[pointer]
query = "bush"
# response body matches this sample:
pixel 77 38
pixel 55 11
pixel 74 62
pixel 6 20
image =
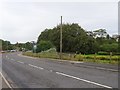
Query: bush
pixel 51 50
pixel 109 47
pixel 103 53
pixel 116 53
pixel 98 57
pixel 43 46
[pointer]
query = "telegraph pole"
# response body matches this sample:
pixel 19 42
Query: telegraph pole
pixel 61 39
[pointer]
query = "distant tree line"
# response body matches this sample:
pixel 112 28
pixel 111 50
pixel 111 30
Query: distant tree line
pixel 24 46
pixel 6 45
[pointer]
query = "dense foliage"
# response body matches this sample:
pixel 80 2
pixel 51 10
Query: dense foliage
pixel 75 39
pixel 6 45
pixel 43 45
pixel 24 46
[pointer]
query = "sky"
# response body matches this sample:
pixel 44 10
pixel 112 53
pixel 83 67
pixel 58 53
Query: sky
pixel 24 21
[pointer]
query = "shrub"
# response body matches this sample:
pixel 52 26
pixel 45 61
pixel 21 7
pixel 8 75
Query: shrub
pixel 43 46
pixel 103 53
pixel 98 57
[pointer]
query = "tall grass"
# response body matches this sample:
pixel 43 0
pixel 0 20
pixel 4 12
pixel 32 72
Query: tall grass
pixel 79 57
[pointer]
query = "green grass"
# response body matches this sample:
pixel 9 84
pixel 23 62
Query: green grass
pixel 42 55
pixel 85 58
pixel 98 57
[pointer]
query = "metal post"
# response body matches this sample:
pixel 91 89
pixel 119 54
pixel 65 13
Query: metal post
pixel 61 39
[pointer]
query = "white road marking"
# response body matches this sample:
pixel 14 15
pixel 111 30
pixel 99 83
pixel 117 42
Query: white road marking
pixel 26 56
pixel 51 70
pixel 84 80
pixel 106 69
pixel 75 62
pixel 101 68
pixel 12 59
pixel 113 70
pixel 35 66
pixel 6 81
pixel 20 62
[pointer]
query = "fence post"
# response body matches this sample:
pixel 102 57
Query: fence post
pixel 74 56
pixel 95 57
pixel 69 56
pixel 110 57
pixel 80 58
pixel 84 59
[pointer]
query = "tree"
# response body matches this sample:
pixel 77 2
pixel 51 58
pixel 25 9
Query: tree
pixel 109 47
pixel 0 44
pixel 90 33
pixel 75 39
pixel 6 45
pixel 28 46
pixel 43 46
pixel 108 36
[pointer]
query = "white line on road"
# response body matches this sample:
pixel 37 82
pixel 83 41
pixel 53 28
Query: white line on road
pixel 12 59
pixel 100 68
pixel 51 70
pixel 74 61
pixel 20 62
pixel 35 66
pixel 6 81
pixel 26 56
pixel 106 69
pixel 84 80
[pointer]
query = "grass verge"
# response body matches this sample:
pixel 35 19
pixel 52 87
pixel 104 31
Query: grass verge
pixel 107 59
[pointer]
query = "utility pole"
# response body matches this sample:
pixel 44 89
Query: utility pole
pixel 7 46
pixel 61 39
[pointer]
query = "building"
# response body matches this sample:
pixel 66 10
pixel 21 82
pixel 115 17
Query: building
pixel 116 36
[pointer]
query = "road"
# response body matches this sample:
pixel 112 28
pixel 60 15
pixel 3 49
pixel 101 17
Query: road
pixel 27 72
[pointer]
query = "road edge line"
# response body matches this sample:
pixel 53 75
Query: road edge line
pixel 6 81
pixel 84 80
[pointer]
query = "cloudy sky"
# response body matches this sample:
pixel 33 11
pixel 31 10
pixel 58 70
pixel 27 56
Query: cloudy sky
pixel 24 21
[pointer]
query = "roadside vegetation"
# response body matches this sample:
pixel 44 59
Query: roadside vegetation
pixel 51 53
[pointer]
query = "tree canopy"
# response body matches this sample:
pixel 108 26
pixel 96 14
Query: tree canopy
pixel 75 39
pixel 5 45
pixel 43 46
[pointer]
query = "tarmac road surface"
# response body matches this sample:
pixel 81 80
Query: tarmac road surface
pixel 27 72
